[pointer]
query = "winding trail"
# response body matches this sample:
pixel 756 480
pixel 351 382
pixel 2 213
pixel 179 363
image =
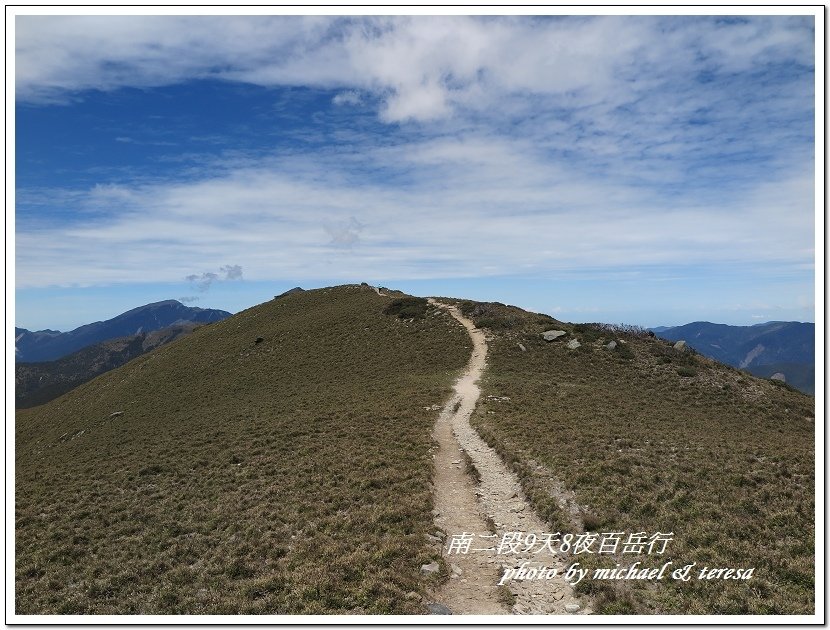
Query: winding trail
pixel 463 506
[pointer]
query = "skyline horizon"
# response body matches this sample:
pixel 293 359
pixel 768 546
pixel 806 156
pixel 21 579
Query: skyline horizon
pixel 238 304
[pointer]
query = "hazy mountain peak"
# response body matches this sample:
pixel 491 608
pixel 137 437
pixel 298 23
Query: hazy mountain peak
pixel 48 345
pixel 762 349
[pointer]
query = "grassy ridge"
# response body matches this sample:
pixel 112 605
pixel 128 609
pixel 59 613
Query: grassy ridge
pixel 653 439
pixel 38 383
pixel 286 476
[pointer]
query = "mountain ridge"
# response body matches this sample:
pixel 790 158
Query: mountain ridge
pixel 50 345
pixel 754 348
pixel 37 383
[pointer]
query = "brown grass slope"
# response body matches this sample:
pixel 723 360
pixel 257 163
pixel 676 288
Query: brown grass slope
pixel 286 476
pixel 38 383
pixel 652 439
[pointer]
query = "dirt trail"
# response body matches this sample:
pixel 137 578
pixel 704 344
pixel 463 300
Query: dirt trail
pixel 462 506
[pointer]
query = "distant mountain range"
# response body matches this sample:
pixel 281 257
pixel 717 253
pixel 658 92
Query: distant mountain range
pixel 38 383
pixel 49 345
pixel 786 348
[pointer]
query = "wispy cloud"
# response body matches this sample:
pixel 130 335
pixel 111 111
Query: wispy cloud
pixel 345 234
pixel 500 146
pixel 231 272
pixel 349 97
pixel 424 68
pixel 485 207
pixel 203 281
pixel 157 143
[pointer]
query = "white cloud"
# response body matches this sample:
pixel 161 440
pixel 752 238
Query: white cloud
pixel 203 281
pixel 59 55
pixel 423 68
pixel 424 102
pixel 484 206
pixel 232 272
pixel 345 234
pixel 541 145
pixel 349 97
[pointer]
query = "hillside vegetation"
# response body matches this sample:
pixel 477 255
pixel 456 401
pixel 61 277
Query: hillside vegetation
pixel 274 462
pixel 280 462
pixel 648 438
pixel 38 383
pixel 763 349
pixel 802 376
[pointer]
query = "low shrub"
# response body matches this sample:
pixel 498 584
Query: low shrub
pixel 466 307
pixel 495 323
pixel 624 352
pixel 407 308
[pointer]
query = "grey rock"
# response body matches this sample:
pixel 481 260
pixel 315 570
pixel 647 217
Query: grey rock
pixel 573 344
pixel 455 568
pixel 433 539
pixel 522 348
pixel 611 345
pixel 413 596
pixel 551 335
pixel 430 569
pixel 779 376
pixel 680 345
pixel 438 609
pixel 571 608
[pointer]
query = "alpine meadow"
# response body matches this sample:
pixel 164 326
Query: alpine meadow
pixel 280 462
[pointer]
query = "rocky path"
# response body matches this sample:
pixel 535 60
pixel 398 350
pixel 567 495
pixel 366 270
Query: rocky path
pixel 487 510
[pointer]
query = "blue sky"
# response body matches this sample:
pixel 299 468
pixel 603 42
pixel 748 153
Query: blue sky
pixel 649 170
